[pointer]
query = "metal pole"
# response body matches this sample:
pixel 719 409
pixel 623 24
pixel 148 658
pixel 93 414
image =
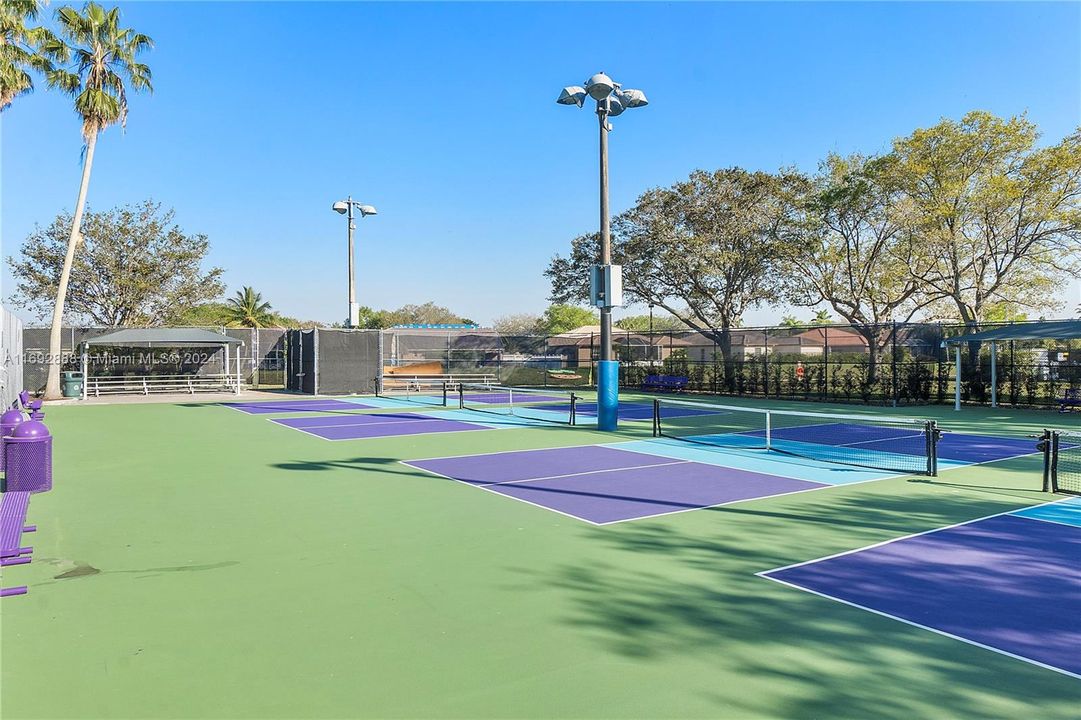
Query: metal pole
pixel 957 380
pixel 994 374
pixel 651 353
pixel 86 365
pixel 606 238
pixel 352 278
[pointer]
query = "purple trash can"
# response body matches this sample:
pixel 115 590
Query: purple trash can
pixel 28 458
pixel 8 422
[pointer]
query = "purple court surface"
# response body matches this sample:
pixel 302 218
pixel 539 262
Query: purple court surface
pixel 605 485
pixel 357 427
pixel 288 406
pixel 1008 583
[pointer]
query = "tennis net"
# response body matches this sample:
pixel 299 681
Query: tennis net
pixel 905 445
pixel 554 406
pixel 417 390
pixel 1066 461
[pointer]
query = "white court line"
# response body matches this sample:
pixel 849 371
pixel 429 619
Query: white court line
pixel 422 431
pixel 943 633
pixel 766 574
pixel 1046 520
pixel 281 421
pixel 486 486
pixel 582 473
pixel 763 573
pixel 502 495
pixel 508 452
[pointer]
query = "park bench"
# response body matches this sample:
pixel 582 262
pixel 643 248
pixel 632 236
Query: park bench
pixel 13 507
pixel 1071 399
pixel 665 383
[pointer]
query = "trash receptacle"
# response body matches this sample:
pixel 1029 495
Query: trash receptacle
pixel 10 420
pixel 28 458
pixel 72 384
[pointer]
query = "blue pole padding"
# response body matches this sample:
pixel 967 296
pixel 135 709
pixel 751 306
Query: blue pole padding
pixel 607 394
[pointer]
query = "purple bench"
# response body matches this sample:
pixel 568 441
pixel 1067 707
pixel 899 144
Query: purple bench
pixel 665 383
pixel 13 507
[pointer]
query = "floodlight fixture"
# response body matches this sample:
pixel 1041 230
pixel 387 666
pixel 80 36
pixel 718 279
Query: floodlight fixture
pixel 612 100
pixel 346 207
pixel 572 95
pixel 632 98
pixel 600 86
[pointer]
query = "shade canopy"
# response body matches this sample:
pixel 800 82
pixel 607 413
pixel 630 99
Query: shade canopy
pixel 1042 330
pixel 169 337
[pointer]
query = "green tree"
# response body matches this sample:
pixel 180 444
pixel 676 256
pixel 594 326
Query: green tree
pixel 518 324
pixel 134 266
pixel 855 252
pixel 207 314
pixel 997 218
pixel 705 250
pixel 24 50
pixel 560 318
pixel 822 317
pixel 248 309
pixel 372 319
pixel 662 322
pixel 105 67
pixel 1003 312
pixel 425 314
pixel 790 321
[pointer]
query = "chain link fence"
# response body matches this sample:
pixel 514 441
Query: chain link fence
pixel 894 364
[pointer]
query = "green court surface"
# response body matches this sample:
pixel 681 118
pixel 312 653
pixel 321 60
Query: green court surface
pixel 196 562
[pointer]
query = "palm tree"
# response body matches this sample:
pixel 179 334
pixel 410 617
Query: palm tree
pixel 23 49
pixel 247 309
pixel 104 67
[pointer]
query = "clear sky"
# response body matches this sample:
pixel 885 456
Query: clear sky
pixel 443 116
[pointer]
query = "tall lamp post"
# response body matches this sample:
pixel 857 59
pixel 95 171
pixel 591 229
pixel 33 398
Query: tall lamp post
pixel 606 286
pixel 345 207
pixel 651 334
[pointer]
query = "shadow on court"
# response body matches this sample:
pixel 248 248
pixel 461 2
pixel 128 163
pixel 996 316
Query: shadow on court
pixel 685 586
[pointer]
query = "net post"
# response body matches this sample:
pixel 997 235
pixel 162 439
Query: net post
pixel 1054 461
pixel 574 410
pixel 769 431
pixel 1045 446
pixel 461 396
pixel 931 432
pixel 656 417
pixel 444 393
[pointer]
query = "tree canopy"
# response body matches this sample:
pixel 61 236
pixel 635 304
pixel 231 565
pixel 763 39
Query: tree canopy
pixel 560 318
pixel 994 218
pixel 135 266
pixel 425 314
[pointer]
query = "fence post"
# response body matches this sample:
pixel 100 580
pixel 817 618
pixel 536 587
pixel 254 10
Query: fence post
pixel 893 364
pixel 826 363
pixel 1013 375
pixel 765 359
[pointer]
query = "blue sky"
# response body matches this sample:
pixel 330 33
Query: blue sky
pixel 442 116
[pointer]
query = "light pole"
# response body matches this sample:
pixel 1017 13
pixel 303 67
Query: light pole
pixel 606 283
pixel 345 207
pixel 651 334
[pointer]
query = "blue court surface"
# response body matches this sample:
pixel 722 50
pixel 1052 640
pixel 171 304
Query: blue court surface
pixel 638 479
pixel 1010 583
